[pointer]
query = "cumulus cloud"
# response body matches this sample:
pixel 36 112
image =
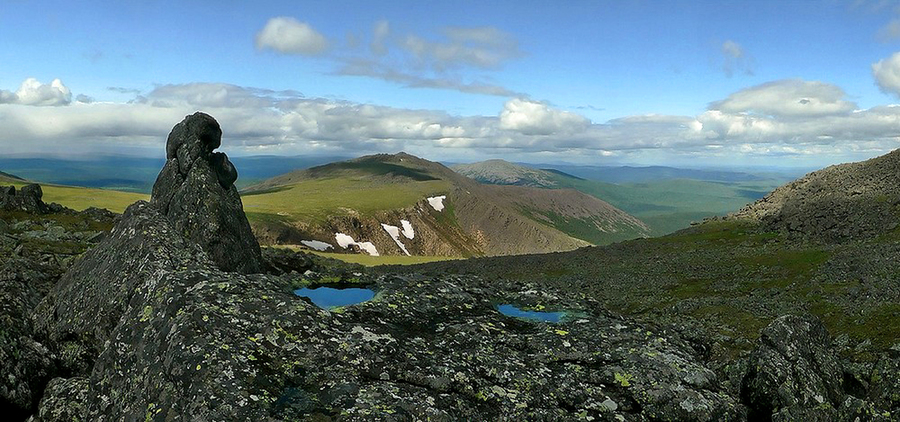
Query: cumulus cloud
pixel 260 121
pixel 33 92
pixel 787 98
pixel 735 59
pixel 535 118
pixel 887 74
pixel 289 36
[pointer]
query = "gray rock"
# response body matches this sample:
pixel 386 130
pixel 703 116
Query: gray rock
pixel 195 189
pixel 793 370
pixel 27 199
pixel 64 400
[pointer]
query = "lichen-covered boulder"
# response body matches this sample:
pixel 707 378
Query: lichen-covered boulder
pixel 87 303
pixel 27 199
pixel 64 400
pixel 25 365
pixel 195 189
pixel 793 370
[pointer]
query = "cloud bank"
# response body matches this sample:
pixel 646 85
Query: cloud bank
pixel 790 117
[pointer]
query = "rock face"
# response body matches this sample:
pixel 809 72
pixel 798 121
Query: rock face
pixel 793 369
pixel 35 250
pixel 27 199
pixel 196 191
pixel 837 203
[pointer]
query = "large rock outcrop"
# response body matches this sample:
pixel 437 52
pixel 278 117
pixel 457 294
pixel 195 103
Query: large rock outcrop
pixel 27 199
pixel 196 191
pixel 793 369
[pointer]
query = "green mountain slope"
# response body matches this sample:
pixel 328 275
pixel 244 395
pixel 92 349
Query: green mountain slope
pixel 358 197
pixel 665 205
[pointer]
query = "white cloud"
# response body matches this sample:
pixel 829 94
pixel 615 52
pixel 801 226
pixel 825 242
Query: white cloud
pixel 258 121
pixel 456 59
pixel 33 92
pixel 887 74
pixel 534 118
pixel 735 59
pixel 787 98
pixel 290 36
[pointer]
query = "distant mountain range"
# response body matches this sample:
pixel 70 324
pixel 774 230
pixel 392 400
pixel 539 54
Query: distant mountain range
pixel 372 198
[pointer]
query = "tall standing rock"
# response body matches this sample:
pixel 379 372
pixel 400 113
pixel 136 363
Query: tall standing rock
pixel 196 191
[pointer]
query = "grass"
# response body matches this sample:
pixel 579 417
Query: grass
pixel 371 261
pixel 316 200
pixel 79 198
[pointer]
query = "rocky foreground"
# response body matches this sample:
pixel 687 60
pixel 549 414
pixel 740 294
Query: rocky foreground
pixel 175 314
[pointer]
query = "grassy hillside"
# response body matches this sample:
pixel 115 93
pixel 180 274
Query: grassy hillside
pixel 314 200
pixel 79 198
pixel 358 196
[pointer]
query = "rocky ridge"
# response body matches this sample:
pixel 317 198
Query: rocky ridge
pixel 841 202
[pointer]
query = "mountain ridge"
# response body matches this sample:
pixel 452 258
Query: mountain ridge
pixel 479 219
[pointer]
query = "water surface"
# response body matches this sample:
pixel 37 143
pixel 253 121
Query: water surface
pixel 514 311
pixel 329 297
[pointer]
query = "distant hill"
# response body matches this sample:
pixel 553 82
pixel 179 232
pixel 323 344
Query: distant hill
pixel 137 174
pixel 634 174
pixel 369 198
pixel 663 202
pixel 500 172
pixel 6 177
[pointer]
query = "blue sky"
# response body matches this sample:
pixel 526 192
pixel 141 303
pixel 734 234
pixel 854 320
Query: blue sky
pixel 692 83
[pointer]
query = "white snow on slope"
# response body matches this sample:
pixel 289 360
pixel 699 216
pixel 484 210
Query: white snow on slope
pixel 437 202
pixel 394 231
pixel 315 244
pixel 346 241
pixel 407 229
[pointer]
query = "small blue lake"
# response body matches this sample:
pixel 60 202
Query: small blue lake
pixel 329 297
pixel 514 311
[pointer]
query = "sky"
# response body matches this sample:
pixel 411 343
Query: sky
pixel 686 83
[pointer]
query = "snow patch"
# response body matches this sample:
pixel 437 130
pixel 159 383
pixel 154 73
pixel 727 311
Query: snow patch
pixel 437 202
pixel 315 244
pixel 408 231
pixel 346 241
pixel 368 247
pixel 343 240
pixel 394 231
